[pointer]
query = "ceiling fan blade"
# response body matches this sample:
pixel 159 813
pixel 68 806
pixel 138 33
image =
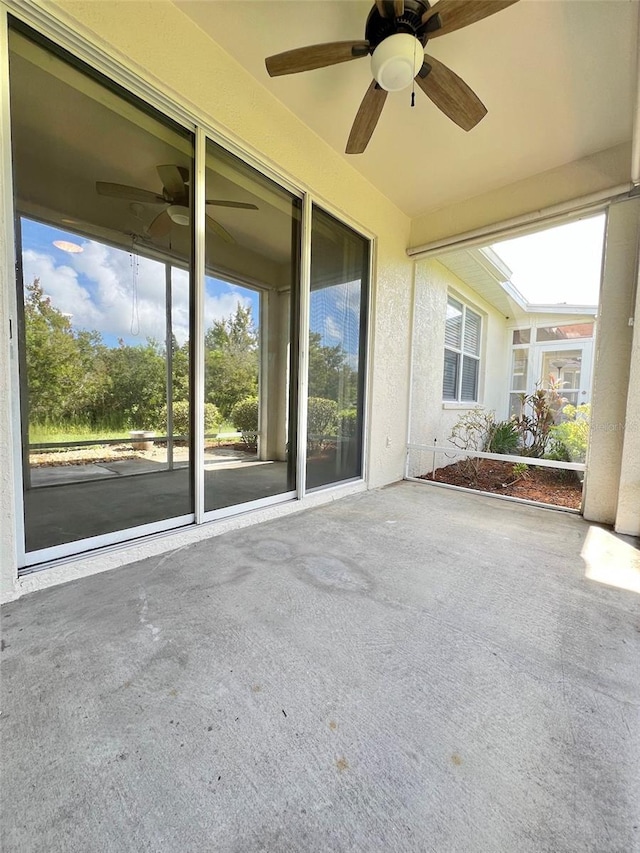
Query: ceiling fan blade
pixel 398 8
pixel 455 14
pixel 366 118
pixel 315 56
pixel 173 180
pixel 160 226
pixel 450 94
pixel 382 9
pixel 215 226
pixel 128 193
pixel 240 205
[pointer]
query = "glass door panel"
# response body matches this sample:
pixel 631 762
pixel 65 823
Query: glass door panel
pixel 337 340
pixel 251 311
pixel 103 281
pixel 567 370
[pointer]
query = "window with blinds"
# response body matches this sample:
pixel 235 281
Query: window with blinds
pixel 462 338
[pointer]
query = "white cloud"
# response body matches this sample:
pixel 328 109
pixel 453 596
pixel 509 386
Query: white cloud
pixel 332 331
pixel 98 289
pixel 218 307
pixel 60 284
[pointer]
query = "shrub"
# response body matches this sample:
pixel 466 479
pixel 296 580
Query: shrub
pixel 322 420
pixel 520 471
pixel 570 437
pixel 472 431
pixel 538 414
pixel 348 422
pixel 244 416
pixel 504 438
pixel 212 419
pixel 181 418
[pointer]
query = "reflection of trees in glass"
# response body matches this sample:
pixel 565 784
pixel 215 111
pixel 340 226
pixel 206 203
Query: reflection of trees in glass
pixel 74 379
pixel 65 369
pixel 231 360
pixel 330 375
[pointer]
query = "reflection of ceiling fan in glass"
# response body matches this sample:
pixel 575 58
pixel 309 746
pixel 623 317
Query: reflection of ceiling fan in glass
pixel 175 195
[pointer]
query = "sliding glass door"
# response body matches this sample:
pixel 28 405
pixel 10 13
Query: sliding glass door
pixel 337 343
pixel 102 189
pixel 251 312
pixel 108 309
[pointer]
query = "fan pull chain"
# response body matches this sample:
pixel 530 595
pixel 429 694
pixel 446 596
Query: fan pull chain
pixel 413 83
pixel 135 312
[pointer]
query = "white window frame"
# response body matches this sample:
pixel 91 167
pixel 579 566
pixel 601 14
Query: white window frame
pixel 457 400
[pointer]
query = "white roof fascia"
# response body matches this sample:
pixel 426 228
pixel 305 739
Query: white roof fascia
pixel 560 308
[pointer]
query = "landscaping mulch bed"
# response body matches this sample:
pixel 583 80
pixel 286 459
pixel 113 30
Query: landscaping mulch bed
pixel 545 485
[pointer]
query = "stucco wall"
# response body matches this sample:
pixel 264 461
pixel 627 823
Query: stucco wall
pixel 609 401
pixel 431 420
pixel 628 510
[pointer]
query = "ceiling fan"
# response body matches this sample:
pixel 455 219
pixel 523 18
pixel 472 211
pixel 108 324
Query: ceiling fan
pixel 395 34
pixel 175 195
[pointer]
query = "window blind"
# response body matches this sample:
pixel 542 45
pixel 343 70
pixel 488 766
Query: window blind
pixel 469 385
pixel 453 325
pixel 472 326
pixel 450 378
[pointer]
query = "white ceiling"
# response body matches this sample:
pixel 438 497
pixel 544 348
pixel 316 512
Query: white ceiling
pixel 557 77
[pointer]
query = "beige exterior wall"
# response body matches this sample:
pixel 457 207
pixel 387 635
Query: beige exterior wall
pixel 628 510
pixel 612 393
pixel 431 418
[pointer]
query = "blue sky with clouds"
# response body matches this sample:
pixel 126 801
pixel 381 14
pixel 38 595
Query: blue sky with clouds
pixel 97 288
pixel 122 295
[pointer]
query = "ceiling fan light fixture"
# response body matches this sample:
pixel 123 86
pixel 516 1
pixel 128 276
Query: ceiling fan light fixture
pixel 179 214
pixel 396 61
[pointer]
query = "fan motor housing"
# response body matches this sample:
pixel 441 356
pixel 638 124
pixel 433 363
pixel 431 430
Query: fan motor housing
pixel 377 28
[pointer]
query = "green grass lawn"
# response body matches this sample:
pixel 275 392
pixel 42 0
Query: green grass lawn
pixel 51 433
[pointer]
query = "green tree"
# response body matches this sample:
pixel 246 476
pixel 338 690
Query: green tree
pixel 137 390
pixel 330 375
pixel 61 364
pixel 180 356
pixel 231 360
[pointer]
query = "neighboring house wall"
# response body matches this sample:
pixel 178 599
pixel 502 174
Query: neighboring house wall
pixel 432 418
pixel 534 321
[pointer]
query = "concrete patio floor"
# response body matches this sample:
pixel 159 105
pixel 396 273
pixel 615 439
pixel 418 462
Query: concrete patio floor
pixel 409 669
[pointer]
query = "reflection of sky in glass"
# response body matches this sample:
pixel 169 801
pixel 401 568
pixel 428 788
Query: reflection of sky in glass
pixel 117 293
pixel 335 315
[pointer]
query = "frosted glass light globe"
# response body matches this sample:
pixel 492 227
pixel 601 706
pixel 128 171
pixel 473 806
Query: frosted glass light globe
pixel 179 214
pixel 396 61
